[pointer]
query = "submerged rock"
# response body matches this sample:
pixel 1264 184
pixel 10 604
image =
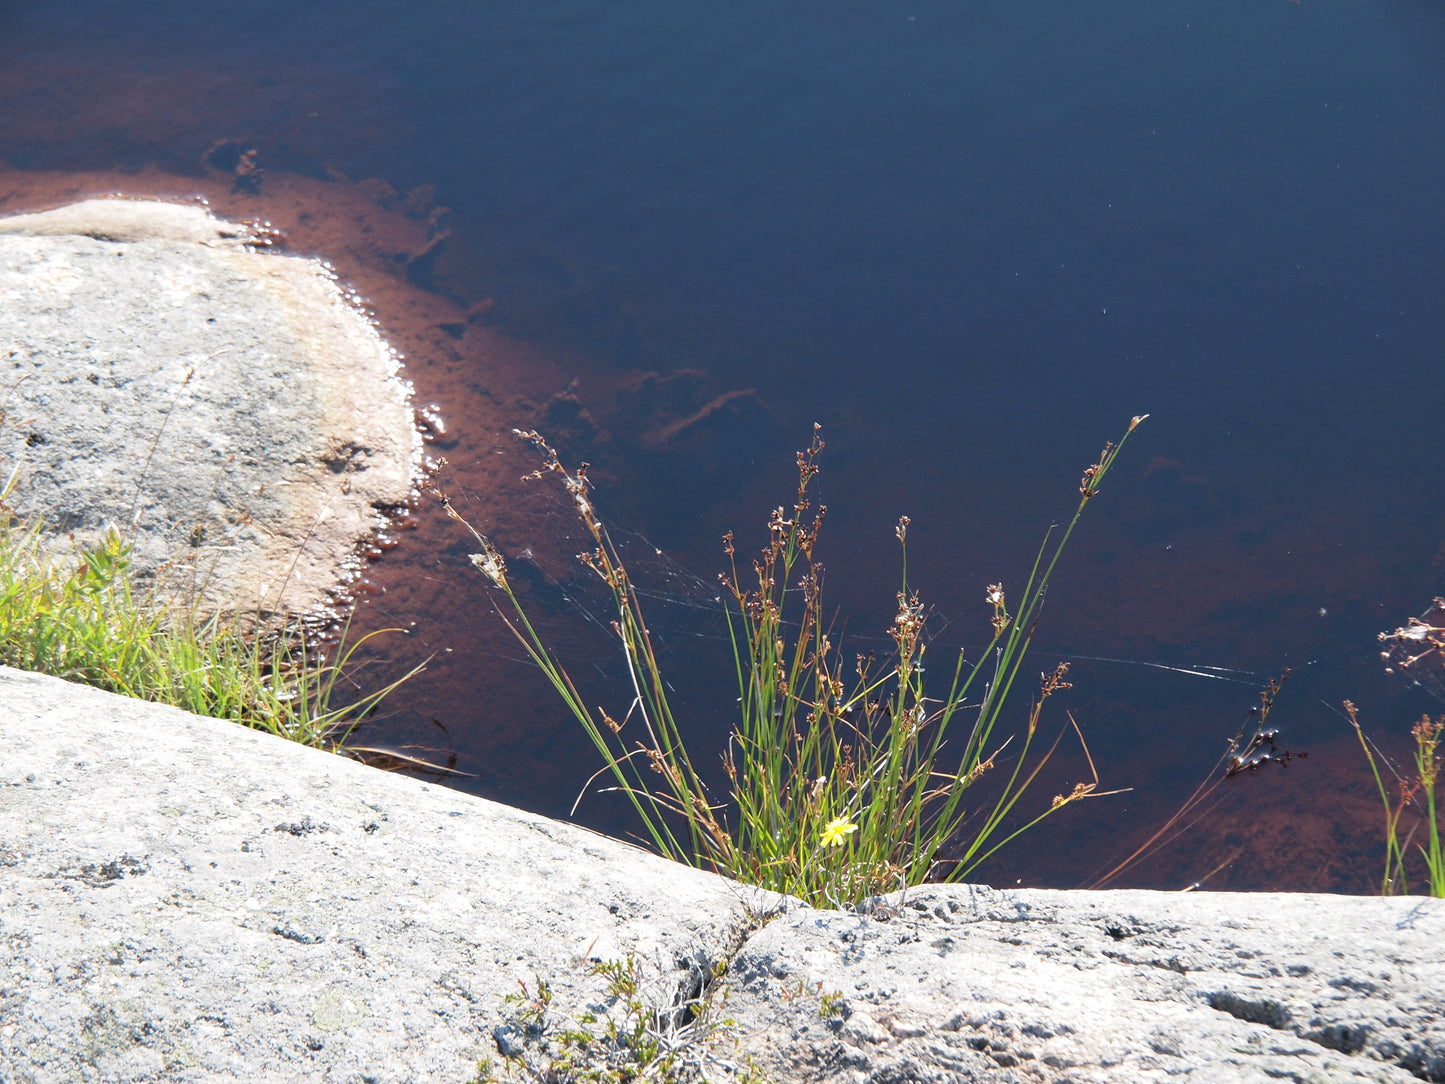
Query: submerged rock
pixel 230 411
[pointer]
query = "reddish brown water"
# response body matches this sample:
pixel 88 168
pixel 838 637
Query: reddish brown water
pixel 971 252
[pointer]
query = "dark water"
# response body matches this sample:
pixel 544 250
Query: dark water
pixel 972 241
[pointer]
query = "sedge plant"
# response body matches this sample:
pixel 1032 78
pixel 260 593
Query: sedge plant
pixel 847 777
pixel 1418 794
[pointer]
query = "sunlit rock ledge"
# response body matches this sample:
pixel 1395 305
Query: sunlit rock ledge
pixel 232 411
pixel 184 899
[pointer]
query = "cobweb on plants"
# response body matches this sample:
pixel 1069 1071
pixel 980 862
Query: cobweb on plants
pixel 542 544
pixel 682 607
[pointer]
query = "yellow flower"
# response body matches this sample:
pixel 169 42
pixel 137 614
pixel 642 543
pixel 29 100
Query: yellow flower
pixel 837 830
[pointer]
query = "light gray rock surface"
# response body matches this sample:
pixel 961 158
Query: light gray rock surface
pixel 185 900
pixel 230 410
pixel 969 983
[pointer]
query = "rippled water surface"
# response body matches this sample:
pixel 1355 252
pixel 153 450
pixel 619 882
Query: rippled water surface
pixel 969 239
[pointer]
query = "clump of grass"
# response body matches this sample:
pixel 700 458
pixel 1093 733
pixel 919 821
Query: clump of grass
pixel 843 784
pixel 84 620
pixel 1427 734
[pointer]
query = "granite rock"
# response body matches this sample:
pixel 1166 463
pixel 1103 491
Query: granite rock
pixel 232 411
pixel 182 899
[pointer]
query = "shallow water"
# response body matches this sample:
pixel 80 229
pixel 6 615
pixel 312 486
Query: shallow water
pixel 970 241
